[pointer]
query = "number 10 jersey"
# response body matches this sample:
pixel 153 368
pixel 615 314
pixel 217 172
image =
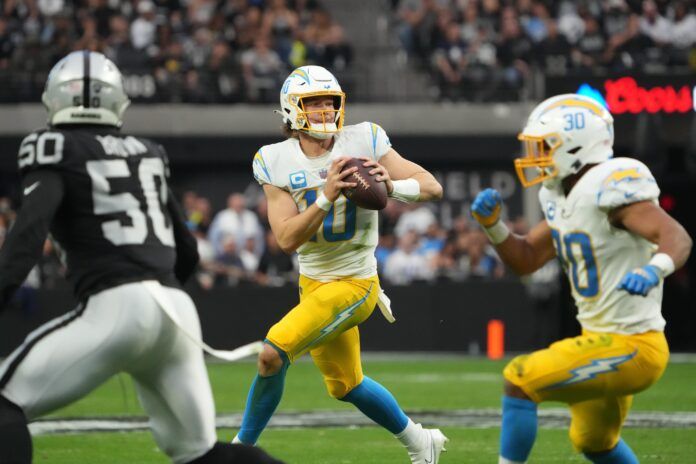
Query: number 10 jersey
pixel 113 225
pixel 344 245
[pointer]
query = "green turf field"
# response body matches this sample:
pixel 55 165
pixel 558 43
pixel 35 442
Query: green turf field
pixel 441 384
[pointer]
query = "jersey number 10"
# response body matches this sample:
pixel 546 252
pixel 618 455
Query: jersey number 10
pixel 341 207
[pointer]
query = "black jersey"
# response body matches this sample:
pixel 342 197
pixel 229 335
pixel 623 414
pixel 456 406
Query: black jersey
pixel 105 198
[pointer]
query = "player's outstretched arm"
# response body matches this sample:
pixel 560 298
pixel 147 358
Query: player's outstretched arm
pixel 523 254
pixel 43 193
pixel 406 180
pixel 651 222
pixel 292 228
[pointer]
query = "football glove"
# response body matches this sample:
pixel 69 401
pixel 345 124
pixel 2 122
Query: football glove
pixel 641 280
pixel 486 207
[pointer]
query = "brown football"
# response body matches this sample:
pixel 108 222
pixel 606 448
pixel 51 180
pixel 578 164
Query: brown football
pixel 369 193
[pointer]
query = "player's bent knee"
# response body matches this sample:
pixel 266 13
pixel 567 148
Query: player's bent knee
pixel 598 441
pixel 338 389
pixel 270 362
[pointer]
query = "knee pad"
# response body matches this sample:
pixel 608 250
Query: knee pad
pixel 227 453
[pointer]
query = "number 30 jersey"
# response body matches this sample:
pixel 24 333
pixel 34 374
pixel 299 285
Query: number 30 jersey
pixel 596 255
pixel 112 222
pixel 344 246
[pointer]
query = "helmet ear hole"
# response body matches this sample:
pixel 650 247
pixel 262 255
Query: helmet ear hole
pixel 573 151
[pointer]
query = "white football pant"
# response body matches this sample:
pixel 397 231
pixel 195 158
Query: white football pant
pixel 121 329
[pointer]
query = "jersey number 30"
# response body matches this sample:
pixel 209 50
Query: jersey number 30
pixel 567 254
pixel 106 202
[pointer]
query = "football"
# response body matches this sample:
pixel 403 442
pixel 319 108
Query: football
pixel 369 193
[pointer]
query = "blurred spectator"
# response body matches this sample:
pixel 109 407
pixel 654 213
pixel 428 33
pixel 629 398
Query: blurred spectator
pixel 263 70
pixel 552 52
pixel 480 261
pixel 385 247
pixel 237 223
pixel 250 261
pixel 406 264
pixel 450 62
pixel 229 268
pixel 280 23
pixel 514 50
pixel 415 218
pixel 275 268
pixel 143 28
pixel 326 45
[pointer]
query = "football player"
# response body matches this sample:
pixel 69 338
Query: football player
pixel 103 196
pixel 302 179
pixel 616 245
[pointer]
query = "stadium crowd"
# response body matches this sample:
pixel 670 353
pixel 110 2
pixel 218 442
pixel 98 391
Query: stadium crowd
pixel 195 51
pixel 486 50
pixel 237 247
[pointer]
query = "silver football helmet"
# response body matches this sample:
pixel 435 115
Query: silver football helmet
pixel 85 87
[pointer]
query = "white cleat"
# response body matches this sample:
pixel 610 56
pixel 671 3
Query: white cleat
pixel 435 445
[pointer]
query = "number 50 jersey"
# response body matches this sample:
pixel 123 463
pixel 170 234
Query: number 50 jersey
pixel 596 255
pixel 344 246
pixel 112 224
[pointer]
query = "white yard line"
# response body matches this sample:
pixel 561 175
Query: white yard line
pixel 473 418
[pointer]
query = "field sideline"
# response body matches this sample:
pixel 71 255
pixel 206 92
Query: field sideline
pixel 461 394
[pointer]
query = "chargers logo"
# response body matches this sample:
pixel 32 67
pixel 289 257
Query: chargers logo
pixel 551 210
pixel 593 369
pixel 298 179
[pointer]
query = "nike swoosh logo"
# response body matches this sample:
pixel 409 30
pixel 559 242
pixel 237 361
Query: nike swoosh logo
pixel 432 452
pixel 31 188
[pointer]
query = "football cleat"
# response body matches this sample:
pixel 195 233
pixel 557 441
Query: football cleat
pixel 434 445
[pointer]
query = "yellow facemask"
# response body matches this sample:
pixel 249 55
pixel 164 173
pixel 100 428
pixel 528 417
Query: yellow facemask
pixel 538 158
pixel 328 117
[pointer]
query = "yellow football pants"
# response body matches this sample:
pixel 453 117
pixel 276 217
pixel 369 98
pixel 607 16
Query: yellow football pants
pixel 597 374
pixel 325 324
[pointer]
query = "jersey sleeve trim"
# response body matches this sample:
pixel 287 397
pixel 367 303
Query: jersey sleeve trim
pixel 261 172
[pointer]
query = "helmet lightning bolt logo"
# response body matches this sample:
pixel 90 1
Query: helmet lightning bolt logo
pixel 593 369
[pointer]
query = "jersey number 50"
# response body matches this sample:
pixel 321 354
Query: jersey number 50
pixel 106 202
pixel 567 255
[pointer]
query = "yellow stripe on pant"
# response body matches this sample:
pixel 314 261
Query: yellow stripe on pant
pixel 597 374
pixel 325 324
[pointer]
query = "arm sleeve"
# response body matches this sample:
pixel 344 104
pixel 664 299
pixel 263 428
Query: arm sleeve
pixel 625 185
pixel 43 194
pixel 186 245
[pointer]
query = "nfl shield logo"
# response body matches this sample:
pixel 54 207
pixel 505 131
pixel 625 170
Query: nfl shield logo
pixel 323 173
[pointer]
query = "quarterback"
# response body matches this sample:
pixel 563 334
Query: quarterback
pixel 302 179
pixel 616 245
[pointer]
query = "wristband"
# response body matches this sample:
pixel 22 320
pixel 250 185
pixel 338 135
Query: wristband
pixel 323 202
pixel 497 233
pixel 406 190
pixel 664 263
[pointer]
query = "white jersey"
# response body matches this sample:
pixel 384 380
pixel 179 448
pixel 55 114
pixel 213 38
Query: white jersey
pixel 596 255
pixel 344 246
